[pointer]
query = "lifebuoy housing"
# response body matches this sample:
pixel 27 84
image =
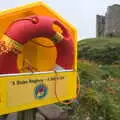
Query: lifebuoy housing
pixel 22 30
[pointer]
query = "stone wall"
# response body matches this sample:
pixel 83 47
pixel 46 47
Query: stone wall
pixel 100 25
pixel 112 26
pixel 109 25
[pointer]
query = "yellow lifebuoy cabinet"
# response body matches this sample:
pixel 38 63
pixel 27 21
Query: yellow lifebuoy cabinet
pixel 30 90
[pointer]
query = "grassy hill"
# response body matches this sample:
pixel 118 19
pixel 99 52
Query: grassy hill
pixel 100 50
pixel 99 97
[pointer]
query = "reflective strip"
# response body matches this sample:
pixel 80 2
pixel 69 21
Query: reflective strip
pixel 57 37
pixel 35 73
pixel 11 44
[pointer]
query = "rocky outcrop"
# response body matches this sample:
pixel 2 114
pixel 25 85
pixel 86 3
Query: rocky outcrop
pixel 53 112
pixel 49 112
pixel 39 116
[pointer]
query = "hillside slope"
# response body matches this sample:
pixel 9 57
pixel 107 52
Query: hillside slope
pixel 100 50
pixel 99 97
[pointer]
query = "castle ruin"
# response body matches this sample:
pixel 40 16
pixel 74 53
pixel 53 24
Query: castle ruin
pixel 109 25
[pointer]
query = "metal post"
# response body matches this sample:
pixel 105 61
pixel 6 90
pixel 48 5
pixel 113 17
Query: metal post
pixel 3 117
pixel 26 115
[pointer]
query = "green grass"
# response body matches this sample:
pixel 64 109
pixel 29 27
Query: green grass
pixel 100 50
pixel 100 93
pixel 100 42
pixel 99 69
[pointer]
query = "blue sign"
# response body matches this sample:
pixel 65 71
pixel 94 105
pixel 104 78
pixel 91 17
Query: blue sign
pixel 40 91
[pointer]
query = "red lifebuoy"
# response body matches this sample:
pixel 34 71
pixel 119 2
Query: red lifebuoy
pixel 20 31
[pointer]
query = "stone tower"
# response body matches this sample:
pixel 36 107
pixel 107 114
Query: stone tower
pixel 100 25
pixel 109 25
pixel 112 26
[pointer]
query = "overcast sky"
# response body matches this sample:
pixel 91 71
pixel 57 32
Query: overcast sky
pixel 81 13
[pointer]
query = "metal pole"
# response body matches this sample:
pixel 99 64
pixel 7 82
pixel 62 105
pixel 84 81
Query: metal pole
pixel 26 115
pixel 3 117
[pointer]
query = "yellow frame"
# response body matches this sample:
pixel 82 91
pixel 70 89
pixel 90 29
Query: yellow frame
pixel 20 97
